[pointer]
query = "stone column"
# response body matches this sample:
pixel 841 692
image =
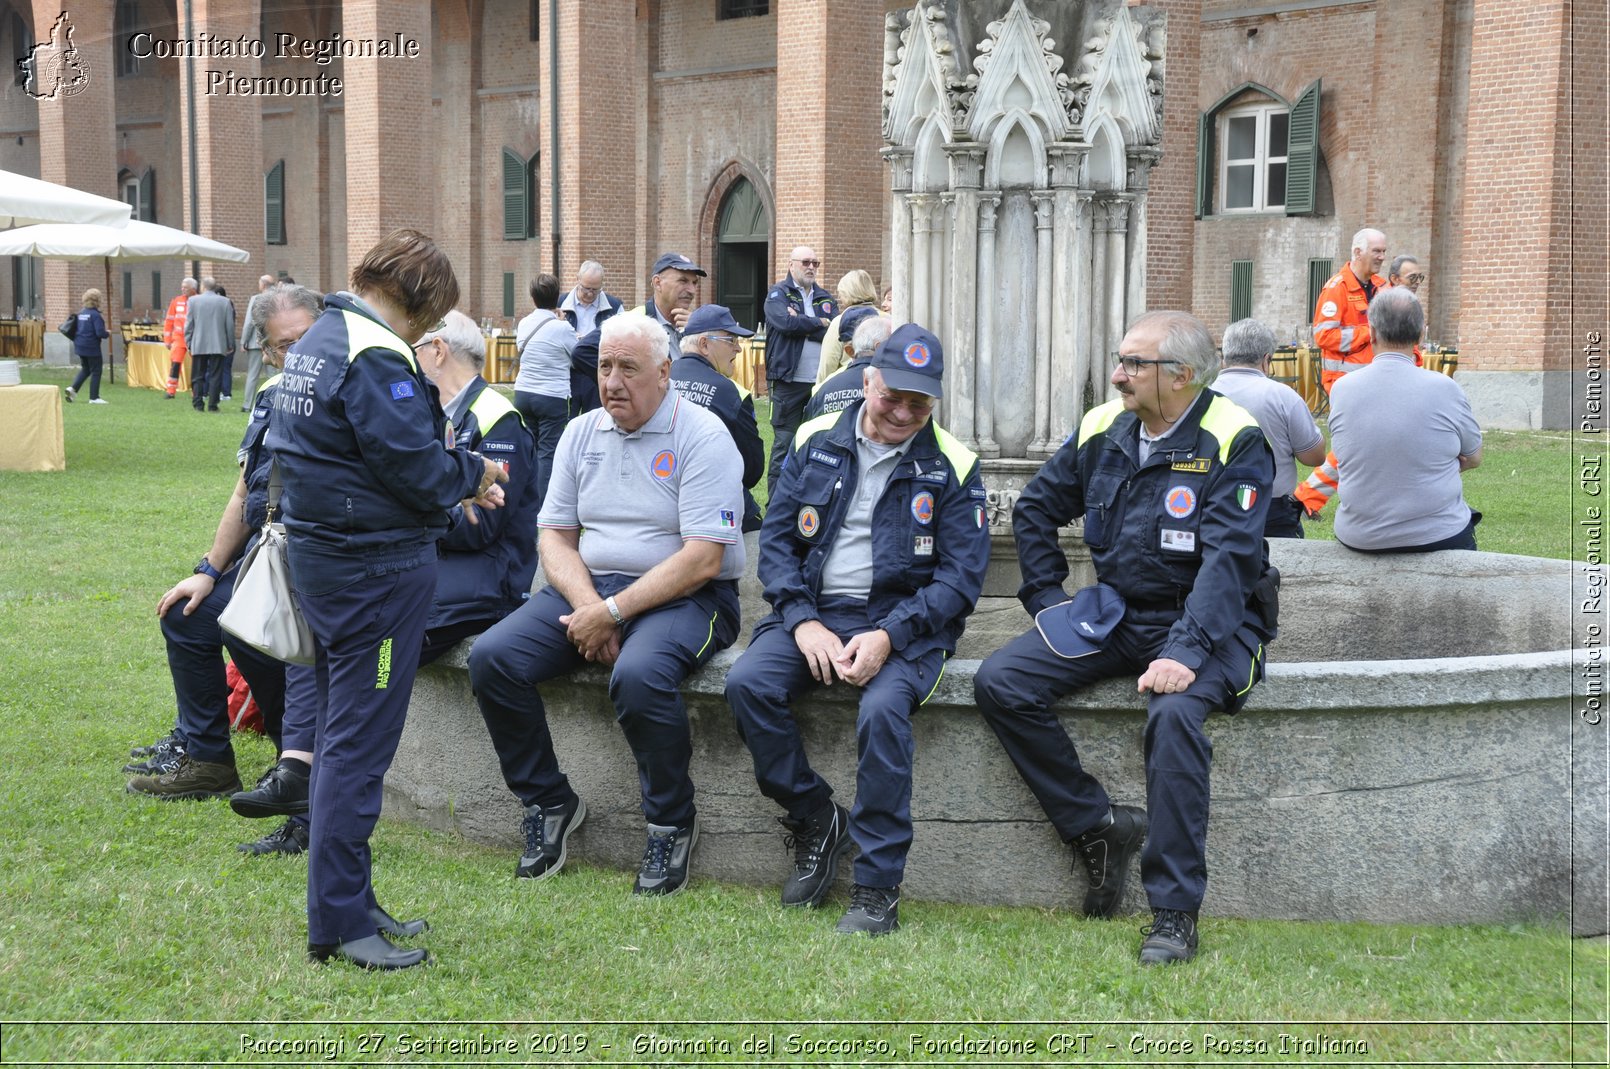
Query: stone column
pixel 900 224
pixel 941 295
pixel 1117 264
pixel 961 343
pixel 1044 278
pixel 1141 162
pixel 1096 292
pixel 390 170
pixel 1070 336
pixel 984 397
pixel 923 206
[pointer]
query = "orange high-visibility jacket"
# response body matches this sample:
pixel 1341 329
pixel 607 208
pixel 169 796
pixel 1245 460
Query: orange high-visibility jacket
pixel 173 327
pixel 1342 326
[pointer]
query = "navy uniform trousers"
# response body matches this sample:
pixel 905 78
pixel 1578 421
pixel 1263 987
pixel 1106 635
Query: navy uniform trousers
pixel 659 650
pixel 1016 686
pixel 366 638
pixel 772 673
pixel 195 660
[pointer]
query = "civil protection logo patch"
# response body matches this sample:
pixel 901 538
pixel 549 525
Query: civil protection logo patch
pixel 1246 495
pixel 917 354
pixel 922 508
pixel 1180 502
pixel 664 465
pixel 809 521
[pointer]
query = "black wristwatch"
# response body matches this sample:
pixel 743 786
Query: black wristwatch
pixel 206 568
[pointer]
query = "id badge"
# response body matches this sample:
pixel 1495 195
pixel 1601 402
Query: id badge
pixel 1179 541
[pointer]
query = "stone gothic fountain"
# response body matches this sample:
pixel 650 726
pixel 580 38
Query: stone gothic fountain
pixel 1019 147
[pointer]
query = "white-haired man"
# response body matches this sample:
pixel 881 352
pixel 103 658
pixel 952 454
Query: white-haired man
pixel 1341 322
pixel 251 341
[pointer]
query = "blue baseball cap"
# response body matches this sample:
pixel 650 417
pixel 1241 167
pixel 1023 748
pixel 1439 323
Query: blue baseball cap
pixel 912 360
pixel 678 261
pixel 1077 628
pixel 852 319
pixel 708 317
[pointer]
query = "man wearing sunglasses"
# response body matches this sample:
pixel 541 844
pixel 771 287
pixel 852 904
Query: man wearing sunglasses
pixel 798 313
pixel 872 555
pixel 1172 481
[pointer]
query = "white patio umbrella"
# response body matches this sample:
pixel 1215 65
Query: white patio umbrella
pixel 25 201
pixel 134 241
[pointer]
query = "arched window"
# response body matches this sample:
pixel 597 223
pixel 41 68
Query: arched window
pixel 1258 153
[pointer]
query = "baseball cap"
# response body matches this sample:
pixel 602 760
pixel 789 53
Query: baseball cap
pixel 678 261
pixel 1077 628
pixel 852 319
pixel 912 360
pixel 708 317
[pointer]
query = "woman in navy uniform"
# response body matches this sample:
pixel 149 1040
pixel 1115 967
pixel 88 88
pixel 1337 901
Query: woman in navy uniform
pixel 358 435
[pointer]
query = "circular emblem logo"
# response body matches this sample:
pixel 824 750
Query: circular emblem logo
pixel 1180 502
pixel 809 521
pixel 1327 309
pixel 917 354
pixel 664 464
pixel 922 508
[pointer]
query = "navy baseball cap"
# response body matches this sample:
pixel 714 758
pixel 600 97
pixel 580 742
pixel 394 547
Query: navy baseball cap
pixel 852 319
pixel 678 261
pixel 708 317
pixel 912 360
pixel 1077 628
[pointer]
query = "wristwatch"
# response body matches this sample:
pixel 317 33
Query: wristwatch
pixel 206 568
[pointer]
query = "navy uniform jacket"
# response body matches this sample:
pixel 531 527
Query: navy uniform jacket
pixel 930 544
pixel 486 568
pixel 694 378
pixel 1182 531
pixel 357 430
pixel 254 458
pixel 841 390
pixel 790 332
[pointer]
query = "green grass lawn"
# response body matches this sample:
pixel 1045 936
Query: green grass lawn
pixel 120 910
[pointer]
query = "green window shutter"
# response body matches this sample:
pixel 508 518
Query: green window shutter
pixel 128 289
pixel 533 200
pixel 148 196
pixel 514 197
pixel 274 205
pixel 508 293
pixel 1302 153
pixel 1204 165
pixel 1319 272
pixel 1240 290
pixel 156 294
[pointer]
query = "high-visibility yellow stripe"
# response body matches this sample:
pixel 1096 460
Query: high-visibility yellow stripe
pixel 937 678
pixel 274 381
pixel 1225 419
pixel 1252 672
pixel 708 638
pixel 490 407
pixel 364 333
pixel 1099 419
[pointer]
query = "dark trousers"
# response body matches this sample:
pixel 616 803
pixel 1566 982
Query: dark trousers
pixel 206 379
pixel 1285 518
pixel 762 686
pixel 89 368
pixel 1015 687
pixel 546 416
pixel 195 660
pixel 787 408
pixel 366 650
pixel 1465 539
pixel 658 651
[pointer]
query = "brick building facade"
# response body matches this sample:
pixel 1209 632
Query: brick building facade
pixel 530 135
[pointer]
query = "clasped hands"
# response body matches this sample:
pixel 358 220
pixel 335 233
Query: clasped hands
pixel 856 661
pixel 593 631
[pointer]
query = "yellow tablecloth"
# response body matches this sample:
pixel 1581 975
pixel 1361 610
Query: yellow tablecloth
pixel 24 338
pixel 749 370
pixel 148 366
pixel 33 439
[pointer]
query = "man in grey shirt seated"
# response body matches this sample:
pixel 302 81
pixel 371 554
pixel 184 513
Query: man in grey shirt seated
pixel 1281 414
pixel 1402 435
pixel 639 540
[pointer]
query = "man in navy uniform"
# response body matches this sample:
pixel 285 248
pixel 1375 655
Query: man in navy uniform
pixel 872 555
pixel 710 344
pixel 798 312
pixel 863 332
pixel 673 289
pixel 1173 481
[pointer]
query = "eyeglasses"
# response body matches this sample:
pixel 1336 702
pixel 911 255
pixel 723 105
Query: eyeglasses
pixel 809 263
pixel 915 407
pixel 730 339
pixel 1133 364
pixel 1415 280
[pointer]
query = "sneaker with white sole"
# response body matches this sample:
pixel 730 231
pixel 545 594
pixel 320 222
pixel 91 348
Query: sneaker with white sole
pixel 664 870
pixel 547 838
pixel 99 401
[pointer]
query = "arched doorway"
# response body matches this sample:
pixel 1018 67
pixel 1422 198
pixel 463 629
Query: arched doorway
pixel 742 240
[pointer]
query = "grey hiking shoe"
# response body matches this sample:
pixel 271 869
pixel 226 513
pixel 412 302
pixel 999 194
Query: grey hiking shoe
pixel 664 870
pixel 191 779
pixel 547 835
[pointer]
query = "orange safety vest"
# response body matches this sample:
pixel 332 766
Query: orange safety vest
pixel 1342 326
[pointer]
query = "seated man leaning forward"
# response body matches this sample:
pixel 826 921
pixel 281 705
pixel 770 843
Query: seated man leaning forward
pixel 872 554
pixel 1172 480
pixel 639 540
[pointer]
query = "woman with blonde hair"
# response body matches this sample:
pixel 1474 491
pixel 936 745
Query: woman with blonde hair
pixel 87 338
pixel 855 289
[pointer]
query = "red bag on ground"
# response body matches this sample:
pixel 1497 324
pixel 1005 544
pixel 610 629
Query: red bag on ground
pixel 244 715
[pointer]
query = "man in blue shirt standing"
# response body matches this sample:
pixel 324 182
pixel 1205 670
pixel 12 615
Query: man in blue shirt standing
pixel 798 312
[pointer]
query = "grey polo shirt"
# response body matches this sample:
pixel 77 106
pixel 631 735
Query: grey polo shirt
pixel 1398 432
pixel 847 572
pixel 1281 414
pixel 637 497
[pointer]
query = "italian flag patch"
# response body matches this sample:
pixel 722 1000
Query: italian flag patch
pixel 1246 496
